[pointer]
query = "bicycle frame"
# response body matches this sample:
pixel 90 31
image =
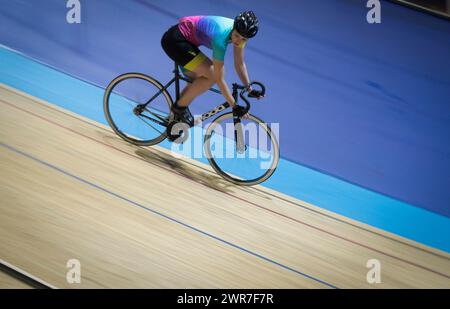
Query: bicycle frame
pixel 238 131
pixel 178 132
pixel 176 79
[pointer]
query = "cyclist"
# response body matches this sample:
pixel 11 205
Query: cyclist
pixel 181 43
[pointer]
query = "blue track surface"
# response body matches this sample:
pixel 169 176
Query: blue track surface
pixel 368 104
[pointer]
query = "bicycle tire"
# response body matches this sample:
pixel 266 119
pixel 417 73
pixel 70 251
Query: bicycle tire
pixel 106 108
pixel 230 177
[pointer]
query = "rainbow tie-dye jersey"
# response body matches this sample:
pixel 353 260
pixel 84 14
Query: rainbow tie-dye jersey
pixel 214 32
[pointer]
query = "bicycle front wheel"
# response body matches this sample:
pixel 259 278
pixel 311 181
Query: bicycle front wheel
pixel 123 105
pixel 244 154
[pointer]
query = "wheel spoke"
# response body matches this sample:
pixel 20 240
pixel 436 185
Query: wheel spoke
pixel 246 155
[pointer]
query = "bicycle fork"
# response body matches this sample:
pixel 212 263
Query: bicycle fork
pixel 238 132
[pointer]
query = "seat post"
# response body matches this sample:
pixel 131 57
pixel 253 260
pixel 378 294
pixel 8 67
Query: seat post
pixel 177 82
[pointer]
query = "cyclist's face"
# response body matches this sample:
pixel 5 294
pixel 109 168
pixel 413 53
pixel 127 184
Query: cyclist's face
pixel 237 39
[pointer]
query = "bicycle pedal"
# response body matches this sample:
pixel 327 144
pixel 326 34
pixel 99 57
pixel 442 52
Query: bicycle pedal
pixel 177 132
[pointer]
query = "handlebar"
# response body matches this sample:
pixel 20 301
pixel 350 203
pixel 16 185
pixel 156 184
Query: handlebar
pixel 245 89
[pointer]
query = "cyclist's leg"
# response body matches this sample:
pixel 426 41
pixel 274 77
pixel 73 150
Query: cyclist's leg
pixel 204 80
pixel 191 59
pixel 188 74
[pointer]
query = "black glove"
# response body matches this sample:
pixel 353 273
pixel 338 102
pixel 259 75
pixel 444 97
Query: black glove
pixel 239 111
pixel 254 93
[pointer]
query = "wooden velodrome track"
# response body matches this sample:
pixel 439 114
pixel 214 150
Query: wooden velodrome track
pixel 10 282
pixel 139 218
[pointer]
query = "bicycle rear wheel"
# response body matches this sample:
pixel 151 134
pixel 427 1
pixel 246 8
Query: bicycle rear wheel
pixel 248 162
pixel 121 104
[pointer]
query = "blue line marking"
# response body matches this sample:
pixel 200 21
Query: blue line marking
pixel 164 216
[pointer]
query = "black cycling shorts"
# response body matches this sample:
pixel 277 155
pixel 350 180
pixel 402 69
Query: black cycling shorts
pixel 181 50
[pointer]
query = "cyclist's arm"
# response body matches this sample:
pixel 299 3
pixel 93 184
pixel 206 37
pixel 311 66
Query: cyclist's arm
pixel 219 77
pixel 239 65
